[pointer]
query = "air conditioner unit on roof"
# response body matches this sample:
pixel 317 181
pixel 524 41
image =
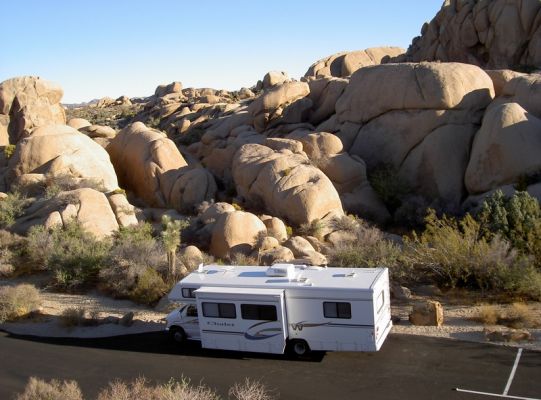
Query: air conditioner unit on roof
pixel 281 270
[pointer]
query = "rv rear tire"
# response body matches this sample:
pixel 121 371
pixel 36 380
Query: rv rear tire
pixel 177 334
pixel 300 347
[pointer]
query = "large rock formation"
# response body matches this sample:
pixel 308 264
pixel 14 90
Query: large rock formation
pixel 235 232
pixel 285 184
pixel 27 103
pixel 59 150
pixel 344 64
pixel 286 102
pixel 149 164
pixel 424 132
pixel 491 34
pixel 505 149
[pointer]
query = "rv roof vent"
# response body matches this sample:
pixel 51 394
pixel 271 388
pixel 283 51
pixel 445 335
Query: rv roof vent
pixel 282 270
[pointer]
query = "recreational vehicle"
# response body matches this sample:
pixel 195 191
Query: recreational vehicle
pixel 285 306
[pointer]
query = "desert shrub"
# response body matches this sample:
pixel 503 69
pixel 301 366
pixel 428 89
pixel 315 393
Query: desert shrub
pixel 193 135
pixel 142 389
pixel 133 252
pixel 517 316
pixel 18 301
pixel 314 228
pixel 516 218
pixel 11 208
pixel 289 231
pixel 73 316
pixel 72 254
pixel 249 390
pixel 346 223
pixel 454 252
pixel 38 389
pixel 64 182
pixel 390 188
pixel 11 253
pixel 367 249
pixel 243 259
pixel 520 316
pixel 149 288
pixel 488 315
pixel 9 150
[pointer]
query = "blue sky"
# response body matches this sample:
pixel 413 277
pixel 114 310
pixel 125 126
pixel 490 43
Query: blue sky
pixel 127 47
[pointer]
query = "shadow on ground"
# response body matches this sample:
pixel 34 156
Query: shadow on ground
pixel 160 343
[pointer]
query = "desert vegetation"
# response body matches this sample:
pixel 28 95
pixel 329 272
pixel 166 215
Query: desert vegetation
pixel 18 301
pixel 141 388
pixel 495 251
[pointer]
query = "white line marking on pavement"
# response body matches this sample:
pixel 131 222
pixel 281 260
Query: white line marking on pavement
pixel 507 387
pixel 506 396
pixel 515 365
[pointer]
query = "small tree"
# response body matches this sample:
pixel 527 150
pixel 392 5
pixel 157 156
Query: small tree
pixel 171 240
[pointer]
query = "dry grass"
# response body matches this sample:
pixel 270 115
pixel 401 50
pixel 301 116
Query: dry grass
pixel 517 316
pixel 488 315
pixel 38 389
pixel 141 388
pixel 250 390
pixel 18 301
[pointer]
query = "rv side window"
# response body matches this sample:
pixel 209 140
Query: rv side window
pixel 188 293
pixel 219 310
pixel 258 312
pixel 380 302
pixel 336 310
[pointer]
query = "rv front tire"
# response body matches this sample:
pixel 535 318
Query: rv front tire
pixel 177 334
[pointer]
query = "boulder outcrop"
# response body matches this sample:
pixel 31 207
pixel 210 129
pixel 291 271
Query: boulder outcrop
pixel 59 150
pixel 26 103
pixel 342 65
pixel 285 184
pixel 149 164
pixel 236 232
pixel 439 105
pixel 505 148
pixel 492 34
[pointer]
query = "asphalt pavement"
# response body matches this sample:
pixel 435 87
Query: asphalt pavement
pixel 407 367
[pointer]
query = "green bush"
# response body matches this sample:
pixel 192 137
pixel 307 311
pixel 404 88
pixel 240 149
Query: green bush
pixel 72 254
pixel 314 228
pixel 455 252
pixel 150 287
pixel 134 251
pixel 367 249
pixel 9 150
pixel 18 301
pixel 11 208
pixel 516 218
pixel 390 188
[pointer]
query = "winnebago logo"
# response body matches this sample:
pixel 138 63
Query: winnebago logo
pixel 298 326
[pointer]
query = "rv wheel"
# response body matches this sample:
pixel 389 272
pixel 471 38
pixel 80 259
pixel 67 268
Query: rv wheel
pixel 177 334
pixel 300 347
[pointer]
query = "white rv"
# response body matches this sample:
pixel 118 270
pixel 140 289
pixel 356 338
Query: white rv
pixel 301 308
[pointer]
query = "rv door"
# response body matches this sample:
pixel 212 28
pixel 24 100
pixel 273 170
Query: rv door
pixel 244 319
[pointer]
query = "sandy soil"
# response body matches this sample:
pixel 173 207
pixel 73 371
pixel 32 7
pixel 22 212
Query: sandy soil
pixel 459 320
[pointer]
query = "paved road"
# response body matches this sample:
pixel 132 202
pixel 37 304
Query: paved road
pixel 407 367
